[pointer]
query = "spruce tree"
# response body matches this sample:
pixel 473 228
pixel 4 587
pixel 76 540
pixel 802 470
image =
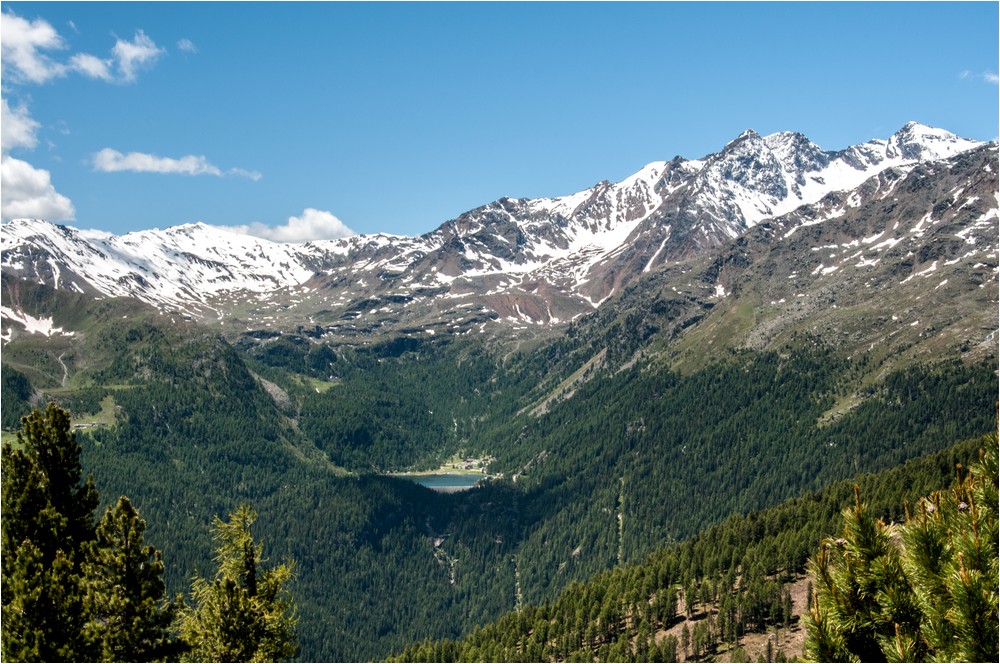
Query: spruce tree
pixel 128 619
pixel 244 614
pixel 48 516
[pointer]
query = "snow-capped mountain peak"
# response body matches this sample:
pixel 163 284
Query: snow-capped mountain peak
pixel 918 142
pixel 530 260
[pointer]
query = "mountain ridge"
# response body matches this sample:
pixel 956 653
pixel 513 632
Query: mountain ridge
pixel 514 263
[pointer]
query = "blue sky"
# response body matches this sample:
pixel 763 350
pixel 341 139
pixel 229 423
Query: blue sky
pixel 292 120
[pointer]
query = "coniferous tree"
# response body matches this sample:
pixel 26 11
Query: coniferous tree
pixel 669 648
pixel 244 613
pixel 924 591
pixel 950 554
pixel 42 608
pixel 738 654
pixel 47 519
pixel 128 619
pixel 863 596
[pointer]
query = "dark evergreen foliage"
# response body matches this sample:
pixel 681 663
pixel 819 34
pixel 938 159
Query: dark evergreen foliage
pixel 652 445
pixel 48 519
pixel 738 565
pixel 128 617
pixel 923 590
pixel 243 614
pixel 637 459
pixel 15 397
pixel 76 592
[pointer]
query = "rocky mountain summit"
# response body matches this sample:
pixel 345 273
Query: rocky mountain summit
pixel 530 263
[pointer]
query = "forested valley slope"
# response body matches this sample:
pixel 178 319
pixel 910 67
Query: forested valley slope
pixel 732 388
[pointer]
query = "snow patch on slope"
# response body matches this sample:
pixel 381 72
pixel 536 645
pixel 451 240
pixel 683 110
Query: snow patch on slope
pixel 32 325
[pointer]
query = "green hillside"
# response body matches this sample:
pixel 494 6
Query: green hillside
pixel 602 450
pixel 727 583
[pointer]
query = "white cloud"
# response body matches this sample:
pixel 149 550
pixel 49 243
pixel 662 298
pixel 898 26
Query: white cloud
pixel 312 225
pixel 21 46
pixel 134 55
pixel 28 192
pixel 244 173
pixel 24 61
pixel 17 128
pixel 187 46
pixel 988 76
pixel 113 161
pixel 127 58
pixel 92 66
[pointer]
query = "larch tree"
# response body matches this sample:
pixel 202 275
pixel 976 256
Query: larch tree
pixel 244 614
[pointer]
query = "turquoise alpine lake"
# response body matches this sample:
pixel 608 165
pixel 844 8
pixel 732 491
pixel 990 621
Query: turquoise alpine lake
pixel 445 482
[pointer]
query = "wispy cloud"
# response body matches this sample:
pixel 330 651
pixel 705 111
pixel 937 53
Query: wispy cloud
pixel 92 66
pixel 113 161
pixel 244 173
pixel 25 47
pixel 28 50
pixel 127 59
pixel 17 128
pixel 988 76
pixel 131 56
pixel 187 46
pixel 312 225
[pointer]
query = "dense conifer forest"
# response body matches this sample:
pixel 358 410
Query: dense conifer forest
pixel 632 459
pixel 733 577
pixel 79 589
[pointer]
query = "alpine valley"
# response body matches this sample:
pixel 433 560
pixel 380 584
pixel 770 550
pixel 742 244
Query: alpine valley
pixel 669 385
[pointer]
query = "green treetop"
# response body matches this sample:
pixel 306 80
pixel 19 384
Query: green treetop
pixel 128 620
pixel 925 590
pixel 243 614
pixel 48 516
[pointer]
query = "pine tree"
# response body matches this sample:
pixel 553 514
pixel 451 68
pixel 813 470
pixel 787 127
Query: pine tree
pixel 44 497
pixel 128 621
pixel 668 648
pixel 48 516
pixel 923 591
pixel 244 613
pixel 738 654
pixel 861 588
pixel 950 552
pixel 42 608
